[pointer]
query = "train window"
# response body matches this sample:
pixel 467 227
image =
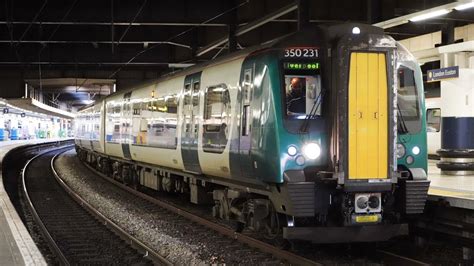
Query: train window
pixel 433 119
pixel 302 93
pixel 407 94
pixel 113 122
pixel 407 101
pixel 196 89
pixel 247 98
pixel 216 118
pixel 187 94
pixel 247 87
pixel 161 127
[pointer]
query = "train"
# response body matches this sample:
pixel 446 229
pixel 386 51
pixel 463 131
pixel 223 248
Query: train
pixel 319 136
pixel 433 121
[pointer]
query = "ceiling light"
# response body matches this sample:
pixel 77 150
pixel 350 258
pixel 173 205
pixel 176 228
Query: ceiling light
pixel 429 15
pixel 464 6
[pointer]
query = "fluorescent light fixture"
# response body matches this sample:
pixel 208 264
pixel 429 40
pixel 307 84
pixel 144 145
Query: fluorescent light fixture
pixel 464 6
pixel 429 15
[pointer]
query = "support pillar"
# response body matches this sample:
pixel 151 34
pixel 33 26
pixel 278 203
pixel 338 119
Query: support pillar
pixel 447 33
pixel 457 116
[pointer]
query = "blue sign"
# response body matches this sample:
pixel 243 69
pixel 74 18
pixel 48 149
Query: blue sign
pixel 443 73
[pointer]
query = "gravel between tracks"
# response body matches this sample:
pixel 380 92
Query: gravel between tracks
pixel 177 242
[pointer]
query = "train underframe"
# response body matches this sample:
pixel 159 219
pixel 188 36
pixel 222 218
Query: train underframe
pixel 320 210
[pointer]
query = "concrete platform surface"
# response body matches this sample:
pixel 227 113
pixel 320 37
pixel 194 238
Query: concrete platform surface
pixel 16 245
pixel 457 190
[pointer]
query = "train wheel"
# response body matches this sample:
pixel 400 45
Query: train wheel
pixel 273 228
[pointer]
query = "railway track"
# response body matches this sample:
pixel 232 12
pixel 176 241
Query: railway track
pixel 287 257
pixel 76 232
pixel 451 225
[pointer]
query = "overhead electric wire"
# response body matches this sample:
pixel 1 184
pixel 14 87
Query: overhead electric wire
pixel 50 37
pixel 34 20
pixel 133 21
pixel 10 31
pixel 176 36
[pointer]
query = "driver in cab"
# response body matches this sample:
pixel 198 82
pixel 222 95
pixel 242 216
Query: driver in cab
pixel 296 96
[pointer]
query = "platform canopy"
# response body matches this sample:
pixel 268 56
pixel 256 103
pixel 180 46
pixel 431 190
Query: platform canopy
pixel 75 91
pixel 32 107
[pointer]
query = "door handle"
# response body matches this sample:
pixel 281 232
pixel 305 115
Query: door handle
pixel 360 115
pixel 376 115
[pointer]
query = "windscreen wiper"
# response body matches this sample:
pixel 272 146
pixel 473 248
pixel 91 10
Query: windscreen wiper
pixel 312 113
pixel 401 121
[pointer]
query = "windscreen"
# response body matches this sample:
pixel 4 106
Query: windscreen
pixel 407 94
pixel 302 81
pixel 408 102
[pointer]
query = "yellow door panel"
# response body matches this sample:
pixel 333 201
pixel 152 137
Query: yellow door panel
pixel 362 110
pixel 383 120
pixel 352 116
pixel 368 124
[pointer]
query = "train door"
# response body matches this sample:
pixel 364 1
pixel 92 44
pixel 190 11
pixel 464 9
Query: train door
pixel 368 116
pixel 190 128
pixel 126 126
pixel 245 142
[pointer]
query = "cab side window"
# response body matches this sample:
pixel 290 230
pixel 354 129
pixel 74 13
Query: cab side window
pixel 433 120
pixel 216 118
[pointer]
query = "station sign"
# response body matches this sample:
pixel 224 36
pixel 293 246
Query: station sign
pixel 442 73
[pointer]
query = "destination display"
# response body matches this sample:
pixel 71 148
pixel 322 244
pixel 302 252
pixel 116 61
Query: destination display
pixel 303 66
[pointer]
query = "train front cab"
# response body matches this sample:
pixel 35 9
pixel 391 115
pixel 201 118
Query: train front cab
pixel 371 188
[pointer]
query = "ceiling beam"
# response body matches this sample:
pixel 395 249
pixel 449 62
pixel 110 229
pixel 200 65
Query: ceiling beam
pixel 97 42
pixel 406 18
pixel 167 64
pixel 99 23
pixel 249 27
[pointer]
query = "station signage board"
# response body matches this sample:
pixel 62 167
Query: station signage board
pixel 442 73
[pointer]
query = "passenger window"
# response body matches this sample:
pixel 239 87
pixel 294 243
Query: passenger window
pixel 162 125
pixel 433 119
pixel 113 122
pixel 216 118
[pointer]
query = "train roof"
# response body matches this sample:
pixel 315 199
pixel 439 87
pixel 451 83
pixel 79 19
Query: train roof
pixel 299 37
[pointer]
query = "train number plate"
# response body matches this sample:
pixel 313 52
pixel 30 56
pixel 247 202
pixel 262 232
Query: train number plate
pixel 367 219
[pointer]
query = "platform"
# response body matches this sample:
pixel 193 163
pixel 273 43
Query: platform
pixel 16 245
pixel 457 190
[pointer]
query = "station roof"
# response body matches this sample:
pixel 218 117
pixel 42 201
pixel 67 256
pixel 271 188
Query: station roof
pixel 95 42
pixel 163 35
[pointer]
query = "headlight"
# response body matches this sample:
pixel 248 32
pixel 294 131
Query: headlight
pixel 400 150
pixel 415 150
pixel 312 150
pixel 292 150
pixel 300 160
